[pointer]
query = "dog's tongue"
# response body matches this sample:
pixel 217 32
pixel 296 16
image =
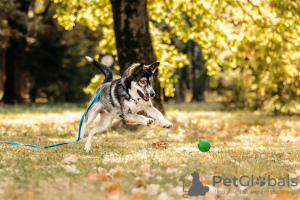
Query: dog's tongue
pixel 145 98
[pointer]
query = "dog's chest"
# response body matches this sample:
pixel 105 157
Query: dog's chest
pixel 135 107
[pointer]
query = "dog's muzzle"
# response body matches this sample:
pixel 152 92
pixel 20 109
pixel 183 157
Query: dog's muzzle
pixel 142 96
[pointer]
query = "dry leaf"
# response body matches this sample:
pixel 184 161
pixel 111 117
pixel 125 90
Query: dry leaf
pixel 152 189
pixel 102 176
pixel 138 195
pixel 13 164
pixel 164 196
pixel 282 195
pixel 117 170
pixel 71 158
pixel 98 147
pixel 139 182
pixel 147 175
pixel 29 196
pixel 146 167
pixel 71 168
pixel 38 167
pixel 160 144
pixel 111 188
pixel 177 190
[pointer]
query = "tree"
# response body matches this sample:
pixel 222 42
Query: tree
pixel 133 39
pixel 199 73
pixel 101 13
pixel 255 40
pixel 15 55
pixel 42 60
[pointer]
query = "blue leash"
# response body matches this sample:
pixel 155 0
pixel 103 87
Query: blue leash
pixel 59 144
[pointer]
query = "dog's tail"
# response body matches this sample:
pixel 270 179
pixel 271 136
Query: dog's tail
pixel 103 68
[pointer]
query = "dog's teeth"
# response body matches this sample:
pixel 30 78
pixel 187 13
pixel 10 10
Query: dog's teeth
pixel 89 59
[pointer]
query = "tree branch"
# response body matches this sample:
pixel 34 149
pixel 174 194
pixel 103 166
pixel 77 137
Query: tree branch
pixel 265 25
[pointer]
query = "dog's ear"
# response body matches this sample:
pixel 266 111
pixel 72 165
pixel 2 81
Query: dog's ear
pixel 152 66
pixel 134 70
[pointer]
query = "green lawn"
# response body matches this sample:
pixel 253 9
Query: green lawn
pixel 138 162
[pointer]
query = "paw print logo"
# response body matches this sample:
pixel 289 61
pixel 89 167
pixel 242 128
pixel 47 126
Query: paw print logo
pixel 261 181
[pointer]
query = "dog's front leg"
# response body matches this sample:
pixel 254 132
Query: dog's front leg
pixel 153 112
pixel 138 119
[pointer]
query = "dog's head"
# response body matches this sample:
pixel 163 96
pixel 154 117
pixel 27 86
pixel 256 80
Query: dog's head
pixel 138 78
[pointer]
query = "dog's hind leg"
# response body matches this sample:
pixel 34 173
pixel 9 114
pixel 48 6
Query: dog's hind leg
pixel 105 121
pixel 91 115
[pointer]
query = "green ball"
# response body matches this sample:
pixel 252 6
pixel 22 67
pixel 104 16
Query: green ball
pixel 204 145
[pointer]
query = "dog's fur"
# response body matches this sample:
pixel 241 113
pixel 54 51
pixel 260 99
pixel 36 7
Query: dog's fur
pixel 136 82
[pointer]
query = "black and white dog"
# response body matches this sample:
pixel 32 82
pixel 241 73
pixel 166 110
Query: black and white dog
pixel 123 98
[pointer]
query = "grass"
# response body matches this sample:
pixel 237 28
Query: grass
pixel 137 162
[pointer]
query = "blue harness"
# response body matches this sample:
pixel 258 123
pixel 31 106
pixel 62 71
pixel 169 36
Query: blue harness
pixel 59 144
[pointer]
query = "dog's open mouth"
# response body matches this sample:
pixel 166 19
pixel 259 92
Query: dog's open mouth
pixel 142 96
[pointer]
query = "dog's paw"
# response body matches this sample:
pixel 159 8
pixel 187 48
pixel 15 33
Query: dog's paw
pixel 87 147
pixel 166 124
pixel 149 121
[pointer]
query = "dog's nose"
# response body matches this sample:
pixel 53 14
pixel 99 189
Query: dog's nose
pixel 152 94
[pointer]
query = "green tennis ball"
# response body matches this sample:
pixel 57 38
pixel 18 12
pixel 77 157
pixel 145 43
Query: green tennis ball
pixel 204 145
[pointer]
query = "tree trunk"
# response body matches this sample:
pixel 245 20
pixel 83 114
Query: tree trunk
pixel 133 39
pixel 198 72
pixel 181 84
pixel 2 72
pixel 15 83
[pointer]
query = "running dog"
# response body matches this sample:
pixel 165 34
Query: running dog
pixel 123 98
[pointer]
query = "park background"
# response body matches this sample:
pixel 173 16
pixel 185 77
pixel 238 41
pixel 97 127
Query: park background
pixel 229 73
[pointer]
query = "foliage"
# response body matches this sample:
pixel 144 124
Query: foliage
pixel 259 39
pixel 266 53
pixel 53 56
pixel 100 13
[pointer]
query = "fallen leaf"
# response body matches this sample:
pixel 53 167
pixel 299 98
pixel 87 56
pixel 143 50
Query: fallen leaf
pixel 68 160
pixel 38 167
pixel 118 170
pixel 29 196
pixel 282 195
pixel 167 165
pixel 146 167
pixel 164 196
pixel 102 176
pixel 138 195
pixel 147 175
pixel 98 147
pixel 152 189
pixel 111 188
pixel 13 164
pixel 71 168
pixel 139 182
pixel 160 144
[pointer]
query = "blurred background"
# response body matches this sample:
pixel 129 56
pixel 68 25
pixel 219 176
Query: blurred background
pixel 244 54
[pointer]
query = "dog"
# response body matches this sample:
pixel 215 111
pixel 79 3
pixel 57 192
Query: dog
pixel 123 98
pixel 197 187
